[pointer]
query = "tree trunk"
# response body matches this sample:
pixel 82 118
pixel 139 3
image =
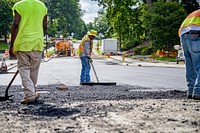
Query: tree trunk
pixel 5 36
pixel 149 2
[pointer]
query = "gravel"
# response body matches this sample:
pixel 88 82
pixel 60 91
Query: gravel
pixel 100 109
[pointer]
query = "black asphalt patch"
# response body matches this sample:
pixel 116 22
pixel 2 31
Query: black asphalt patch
pixel 50 103
pixel 85 93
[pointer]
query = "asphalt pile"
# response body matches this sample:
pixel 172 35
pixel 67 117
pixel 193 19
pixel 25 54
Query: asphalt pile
pixel 50 93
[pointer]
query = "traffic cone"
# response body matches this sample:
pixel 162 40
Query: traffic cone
pixel 6 52
pixel 66 53
pixel 123 58
pixel 108 54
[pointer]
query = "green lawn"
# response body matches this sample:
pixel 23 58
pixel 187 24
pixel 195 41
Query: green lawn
pixel 4 46
pixel 169 59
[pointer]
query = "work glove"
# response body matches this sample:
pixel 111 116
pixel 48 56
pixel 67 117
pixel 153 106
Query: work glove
pixel 90 59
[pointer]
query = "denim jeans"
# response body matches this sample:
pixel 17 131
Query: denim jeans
pixel 191 48
pixel 85 71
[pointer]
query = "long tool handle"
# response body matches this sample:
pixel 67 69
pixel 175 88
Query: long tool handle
pixel 6 93
pixel 94 72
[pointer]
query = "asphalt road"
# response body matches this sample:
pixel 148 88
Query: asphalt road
pixel 146 99
pixel 66 70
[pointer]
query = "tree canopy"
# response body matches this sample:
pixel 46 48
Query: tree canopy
pixel 163 22
pixel 5 17
pixel 64 17
pixel 132 22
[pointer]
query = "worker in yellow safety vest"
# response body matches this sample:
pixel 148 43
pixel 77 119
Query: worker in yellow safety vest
pixel 189 33
pixel 84 52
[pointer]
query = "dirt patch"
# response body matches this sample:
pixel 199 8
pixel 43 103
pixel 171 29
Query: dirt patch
pixel 100 109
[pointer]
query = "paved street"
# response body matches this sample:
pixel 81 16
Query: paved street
pixel 141 102
pixel 66 70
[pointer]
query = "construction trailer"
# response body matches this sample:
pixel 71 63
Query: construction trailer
pixel 109 46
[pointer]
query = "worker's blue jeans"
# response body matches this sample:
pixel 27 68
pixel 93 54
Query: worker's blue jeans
pixel 85 71
pixel 191 48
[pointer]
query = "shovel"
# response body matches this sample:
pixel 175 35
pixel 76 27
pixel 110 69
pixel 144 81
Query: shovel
pixel 6 97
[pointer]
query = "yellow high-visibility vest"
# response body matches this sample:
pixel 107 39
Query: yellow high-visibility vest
pixel 81 45
pixel 191 22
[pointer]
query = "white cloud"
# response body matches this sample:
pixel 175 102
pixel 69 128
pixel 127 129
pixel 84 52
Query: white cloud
pixel 90 10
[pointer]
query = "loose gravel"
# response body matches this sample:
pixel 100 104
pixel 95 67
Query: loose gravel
pixel 100 109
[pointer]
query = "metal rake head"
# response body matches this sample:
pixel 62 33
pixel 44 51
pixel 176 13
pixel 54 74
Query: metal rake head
pixel 5 98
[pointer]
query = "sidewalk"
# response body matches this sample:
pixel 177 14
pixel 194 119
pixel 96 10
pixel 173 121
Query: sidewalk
pixel 145 63
pixel 118 60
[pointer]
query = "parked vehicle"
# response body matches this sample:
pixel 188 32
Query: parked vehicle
pixel 109 46
pixel 3 66
pixel 180 55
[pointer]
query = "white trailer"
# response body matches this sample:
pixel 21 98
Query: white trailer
pixel 109 46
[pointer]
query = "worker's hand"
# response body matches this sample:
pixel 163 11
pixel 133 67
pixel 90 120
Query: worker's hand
pixel 90 59
pixel 11 52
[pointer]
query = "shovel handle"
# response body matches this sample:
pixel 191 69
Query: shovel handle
pixel 94 72
pixel 6 92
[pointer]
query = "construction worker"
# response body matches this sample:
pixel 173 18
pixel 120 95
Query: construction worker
pixel 84 52
pixel 27 37
pixel 189 33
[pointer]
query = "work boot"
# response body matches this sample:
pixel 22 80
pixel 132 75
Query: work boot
pixel 37 95
pixel 196 97
pixel 189 97
pixel 29 100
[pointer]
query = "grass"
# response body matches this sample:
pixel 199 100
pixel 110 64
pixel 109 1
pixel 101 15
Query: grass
pixel 169 59
pixel 98 51
pixel 50 52
pixel 4 46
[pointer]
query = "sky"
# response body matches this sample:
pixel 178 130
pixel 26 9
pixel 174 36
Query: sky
pixel 91 8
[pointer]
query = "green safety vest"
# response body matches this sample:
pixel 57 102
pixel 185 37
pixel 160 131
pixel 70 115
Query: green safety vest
pixel 192 22
pixel 30 34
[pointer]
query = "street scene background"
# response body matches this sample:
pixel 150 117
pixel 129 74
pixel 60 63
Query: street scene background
pixel 144 58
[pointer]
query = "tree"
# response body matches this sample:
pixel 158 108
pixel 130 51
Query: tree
pixel 162 24
pixel 5 17
pixel 123 19
pixel 101 23
pixel 190 5
pixel 65 17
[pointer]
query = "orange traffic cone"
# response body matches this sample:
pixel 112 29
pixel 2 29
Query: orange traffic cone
pixel 108 54
pixel 6 52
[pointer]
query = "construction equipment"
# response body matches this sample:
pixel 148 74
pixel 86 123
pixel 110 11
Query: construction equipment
pixel 6 97
pixel 180 54
pixel 98 83
pixel 3 66
pixel 64 47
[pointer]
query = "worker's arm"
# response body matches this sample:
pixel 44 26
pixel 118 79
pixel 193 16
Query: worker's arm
pixel 14 31
pixel 45 24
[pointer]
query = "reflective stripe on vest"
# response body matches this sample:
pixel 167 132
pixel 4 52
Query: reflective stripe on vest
pixel 192 22
pixel 81 45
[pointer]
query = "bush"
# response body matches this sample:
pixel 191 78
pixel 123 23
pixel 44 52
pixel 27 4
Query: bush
pixel 4 46
pixel 143 50
pixel 129 44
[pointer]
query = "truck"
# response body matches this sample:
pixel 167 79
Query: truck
pixel 109 46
